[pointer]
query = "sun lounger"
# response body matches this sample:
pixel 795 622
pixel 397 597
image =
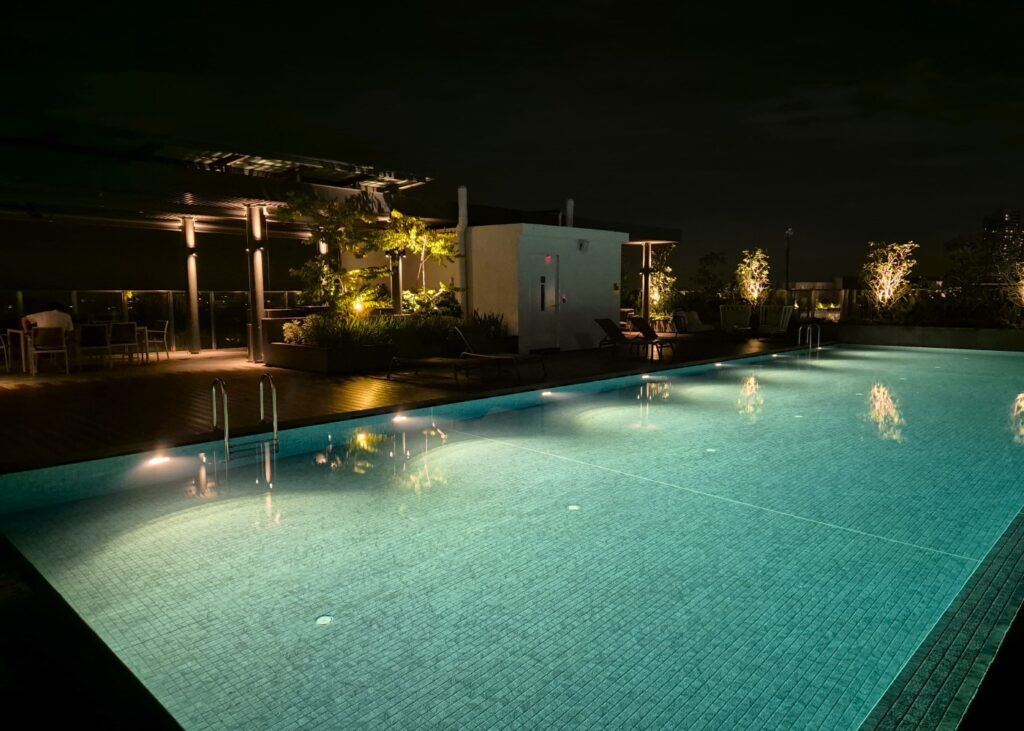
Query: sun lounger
pixel 652 340
pixel 479 351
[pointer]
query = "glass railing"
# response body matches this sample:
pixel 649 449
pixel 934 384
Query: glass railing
pixel 223 315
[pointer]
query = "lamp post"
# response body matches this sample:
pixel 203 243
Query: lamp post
pixel 789 236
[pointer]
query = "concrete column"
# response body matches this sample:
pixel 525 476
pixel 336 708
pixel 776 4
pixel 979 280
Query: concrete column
pixel 570 212
pixel 645 308
pixel 256 231
pixel 188 228
pixel 460 228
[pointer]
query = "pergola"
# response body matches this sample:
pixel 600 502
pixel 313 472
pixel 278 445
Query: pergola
pixel 646 270
pixel 124 181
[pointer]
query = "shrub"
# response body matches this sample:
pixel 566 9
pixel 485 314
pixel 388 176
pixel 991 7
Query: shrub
pixel 333 330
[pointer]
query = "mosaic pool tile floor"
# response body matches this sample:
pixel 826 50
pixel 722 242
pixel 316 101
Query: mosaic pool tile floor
pixel 765 544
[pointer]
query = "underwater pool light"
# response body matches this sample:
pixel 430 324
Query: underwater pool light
pixel 158 460
pixel 324 619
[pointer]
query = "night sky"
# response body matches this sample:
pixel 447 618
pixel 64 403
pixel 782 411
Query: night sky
pixel 727 121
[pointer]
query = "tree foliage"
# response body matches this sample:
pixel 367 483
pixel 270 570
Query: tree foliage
pixel 411 236
pixel 342 225
pixel 663 281
pixel 752 276
pixel 887 273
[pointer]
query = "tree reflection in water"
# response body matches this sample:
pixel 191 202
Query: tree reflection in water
pixel 750 402
pixel 1017 419
pixel 884 410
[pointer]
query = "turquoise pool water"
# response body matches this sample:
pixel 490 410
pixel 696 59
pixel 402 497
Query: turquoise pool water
pixel 763 544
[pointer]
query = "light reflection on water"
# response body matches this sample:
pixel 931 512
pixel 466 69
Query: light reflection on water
pixel 1017 419
pixel 884 410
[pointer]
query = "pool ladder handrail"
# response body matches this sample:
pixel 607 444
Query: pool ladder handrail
pixel 273 404
pixel 812 328
pixel 219 383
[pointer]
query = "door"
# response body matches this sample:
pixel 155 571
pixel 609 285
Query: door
pixel 539 327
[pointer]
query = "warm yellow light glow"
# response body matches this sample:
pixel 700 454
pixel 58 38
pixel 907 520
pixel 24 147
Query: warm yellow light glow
pixel 752 276
pixel 400 418
pixel 887 273
pixel 1017 419
pixel 750 402
pixel 158 460
pixel 358 306
pixel 884 410
pixel 362 440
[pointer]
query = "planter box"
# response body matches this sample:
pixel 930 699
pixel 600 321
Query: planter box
pixel 932 337
pixel 328 360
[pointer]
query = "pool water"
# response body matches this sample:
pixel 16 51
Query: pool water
pixel 762 544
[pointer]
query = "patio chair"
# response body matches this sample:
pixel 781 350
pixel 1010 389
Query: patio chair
pixel 49 341
pixel 476 349
pixel 774 320
pixel 124 338
pixel 157 336
pixel 651 339
pixel 735 318
pixel 94 339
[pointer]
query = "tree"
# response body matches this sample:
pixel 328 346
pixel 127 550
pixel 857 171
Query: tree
pixel 336 225
pixel 887 273
pixel 663 281
pixel 752 276
pixel 408 235
pixel 1014 285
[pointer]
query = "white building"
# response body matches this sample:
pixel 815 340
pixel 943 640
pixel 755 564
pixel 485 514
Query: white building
pixel 549 282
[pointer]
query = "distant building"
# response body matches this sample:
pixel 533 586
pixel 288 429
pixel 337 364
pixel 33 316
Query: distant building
pixel 1004 234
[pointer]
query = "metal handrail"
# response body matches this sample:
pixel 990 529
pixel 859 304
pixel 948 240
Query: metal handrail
pixel 219 382
pixel 800 334
pixel 273 403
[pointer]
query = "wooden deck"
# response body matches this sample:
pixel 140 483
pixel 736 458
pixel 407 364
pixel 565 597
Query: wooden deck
pixel 54 418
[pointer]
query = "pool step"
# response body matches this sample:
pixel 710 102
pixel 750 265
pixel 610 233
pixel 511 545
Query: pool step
pixel 937 685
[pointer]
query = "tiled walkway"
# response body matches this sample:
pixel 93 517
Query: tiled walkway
pixel 54 418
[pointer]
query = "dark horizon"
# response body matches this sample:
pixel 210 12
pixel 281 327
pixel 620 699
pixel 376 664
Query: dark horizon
pixel 728 124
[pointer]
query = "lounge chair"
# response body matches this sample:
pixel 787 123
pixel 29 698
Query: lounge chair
pixel 689 322
pixel 735 318
pixel 774 320
pixel 478 350
pixel 614 338
pixel 413 354
pixel 651 339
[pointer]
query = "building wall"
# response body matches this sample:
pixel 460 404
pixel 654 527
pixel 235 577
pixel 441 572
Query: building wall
pixel 491 267
pixel 587 280
pixel 588 277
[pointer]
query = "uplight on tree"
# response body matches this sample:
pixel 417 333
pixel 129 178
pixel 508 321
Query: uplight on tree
pixel 887 273
pixel 752 276
pixel 1015 283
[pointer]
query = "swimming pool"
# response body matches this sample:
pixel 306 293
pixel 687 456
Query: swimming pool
pixel 768 543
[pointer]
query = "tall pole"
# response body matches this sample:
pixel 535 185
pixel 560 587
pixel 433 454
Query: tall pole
pixel 645 307
pixel 188 228
pixel 789 235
